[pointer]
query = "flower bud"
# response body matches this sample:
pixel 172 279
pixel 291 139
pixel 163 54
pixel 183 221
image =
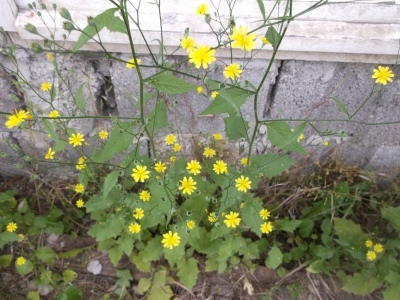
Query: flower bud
pixel 4 154
pixel 30 28
pixel 65 14
pixel 47 43
pixel 39 13
pixel 36 48
pixel 43 6
pixel 54 6
pixel 207 18
pixel 91 21
pixel 68 26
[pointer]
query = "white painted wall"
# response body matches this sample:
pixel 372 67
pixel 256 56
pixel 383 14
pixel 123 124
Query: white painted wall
pixel 367 31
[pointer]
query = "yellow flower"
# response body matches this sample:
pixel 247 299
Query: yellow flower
pixel 103 134
pixel 264 40
pixel 232 220
pixel 242 40
pixel 54 114
pixel 139 213
pixel 232 71
pixel 15 119
pixel 266 227
pixel 131 63
pixel 79 188
pixel 212 218
pixel 243 184
pixel 383 75
pixel 46 86
pixel 220 167
pixel 194 167
pixel 134 228
pixel 50 57
pixel 208 152
pixel 214 94
pixel 79 203
pixel 117 209
pixel 49 154
pixel 171 240
pixel 21 236
pixel 160 167
pixel 145 195
pixel 172 158
pixel 378 248
pixel 369 243
pixel 242 205
pixel 21 261
pixel 264 214
pixel 199 89
pixel 76 140
pixel 190 224
pixel 243 161
pixel 188 43
pixel 202 55
pixel 326 144
pixel 11 227
pixel 202 9
pixel 217 136
pixel 301 137
pixel 140 173
pixel 371 255
pixel 188 185
pixel 177 147
pixel 170 139
pixel 81 163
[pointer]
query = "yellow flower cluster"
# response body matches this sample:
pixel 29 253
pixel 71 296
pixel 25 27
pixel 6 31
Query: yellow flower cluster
pixel 15 119
pixel 377 248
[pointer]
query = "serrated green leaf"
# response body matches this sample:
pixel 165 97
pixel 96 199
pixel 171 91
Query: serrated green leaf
pixel 98 203
pixel 154 249
pixel 137 260
pixel 8 237
pixel 79 100
pixel 392 214
pixel 158 117
pixel 281 136
pixel 125 243
pixel 105 19
pixel 273 37
pixel 306 228
pixel 124 277
pixel 250 215
pixel 73 293
pixel 393 290
pixel 175 254
pixel 143 285
pixel 262 9
pixel 187 272
pixel 318 266
pixel 108 229
pixel 349 232
pixel 270 165
pixel 227 101
pixel 274 258
pixel 69 275
pixel 361 284
pixel 236 128
pixel 341 106
pixel 110 182
pixel 115 254
pixel 45 254
pixel 160 291
pixel 288 225
pixel 5 260
pixel 26 268
pixel 33 295
pixel 170 84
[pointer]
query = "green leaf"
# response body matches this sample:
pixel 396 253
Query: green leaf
pixel 8 237
pixel 110 182
pixel 143 285
pixel 109 229
pixel 137 260
pixel 45 254
pixel 26 268
pixel 158 116
pixel 5 260
pixel 393 291
pixel 73 293
pixel 230 246
pixel 250 214
pixel 228 101
pixel 124 278
pixel 273 37
pixel 349 232
pixel 361 284
pixel 175 254
pixel 274 258
pixel 115 254
pixel 105 19
pixel 281 136
pixel 341 106
pixel 262 8
pixel 72 253
pixel 306 227
pixel 270 165
pixel 79 100
pixel 59 144
pixel 125 243
pixel 98 203
pixel 318 266
pixel 187 272
pixel 287 225
pixel 120 139
pixel 33 295
pixel 154 249
pixel 23 207
pixel 392 214
pixel 236 128
pixel 170 84
pixel 160 291
pixel 69 275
